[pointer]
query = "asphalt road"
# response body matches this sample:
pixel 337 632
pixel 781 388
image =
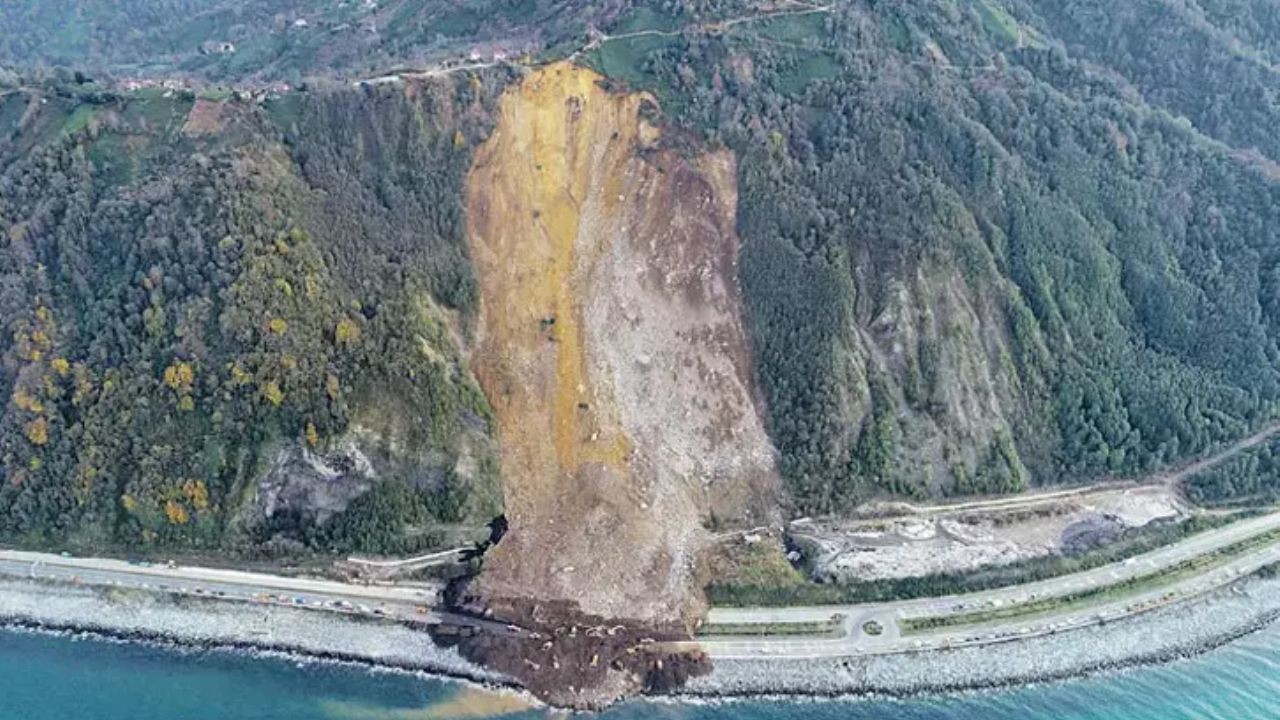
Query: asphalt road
pixel 856 641
pixel 400 602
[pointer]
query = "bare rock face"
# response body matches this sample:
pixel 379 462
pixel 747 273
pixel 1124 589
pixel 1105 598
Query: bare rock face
pixel 312 484
pixel 610 345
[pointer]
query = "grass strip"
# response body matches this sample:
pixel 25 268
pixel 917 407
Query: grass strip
pixel 826 627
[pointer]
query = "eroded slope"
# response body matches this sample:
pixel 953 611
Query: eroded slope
pixel 611 346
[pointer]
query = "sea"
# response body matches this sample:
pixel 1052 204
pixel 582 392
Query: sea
pixel 47 677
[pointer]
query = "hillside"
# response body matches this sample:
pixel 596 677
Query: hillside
pixel 975 257
pixel 632 273
pixel 617 277
pixel 238 325
pixel 238 41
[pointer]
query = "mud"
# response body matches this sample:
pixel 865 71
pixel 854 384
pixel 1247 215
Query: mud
pixel 567 658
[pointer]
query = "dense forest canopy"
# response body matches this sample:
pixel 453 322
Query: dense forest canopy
pixel 190 284
pixel 986 244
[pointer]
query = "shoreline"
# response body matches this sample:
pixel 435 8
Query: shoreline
pixel 1179 632
pixel 1167 635
pixel 218 626
pixel 303 654
pixel 1154 659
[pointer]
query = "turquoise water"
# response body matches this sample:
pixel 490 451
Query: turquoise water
pixel 56 678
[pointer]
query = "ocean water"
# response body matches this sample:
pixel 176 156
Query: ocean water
pixel 57 678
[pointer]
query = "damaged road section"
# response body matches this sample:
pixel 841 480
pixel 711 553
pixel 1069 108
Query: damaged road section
pixel 572 660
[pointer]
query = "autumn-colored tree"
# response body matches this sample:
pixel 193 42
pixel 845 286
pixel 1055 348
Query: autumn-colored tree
pixel 37 431
pixel 238 374
pixel 278 326
pixel 272 393
pixel 197 493
pixel 313 437
pixel 176 513
pixel 180 376
pixel 347 332
pixel 83 384
pixel 26 401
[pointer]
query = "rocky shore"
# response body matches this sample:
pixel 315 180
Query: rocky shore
pixel 1158 636
pixel 145 617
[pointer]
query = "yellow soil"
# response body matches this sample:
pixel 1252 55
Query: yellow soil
pixel 541 161
pixel 561 199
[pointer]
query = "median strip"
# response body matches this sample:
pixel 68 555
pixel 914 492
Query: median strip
pixel 833 627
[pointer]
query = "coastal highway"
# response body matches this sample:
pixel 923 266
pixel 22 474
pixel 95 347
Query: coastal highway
pixel 854 640
pixel 401 602
pixel 417 603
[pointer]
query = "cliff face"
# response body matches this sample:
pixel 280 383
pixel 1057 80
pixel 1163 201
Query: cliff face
pixel 611 347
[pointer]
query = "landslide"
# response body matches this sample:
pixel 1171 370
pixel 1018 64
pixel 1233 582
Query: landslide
pixel 610 345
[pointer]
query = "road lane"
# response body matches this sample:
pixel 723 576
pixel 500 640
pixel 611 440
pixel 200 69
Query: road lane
pixel 1193 546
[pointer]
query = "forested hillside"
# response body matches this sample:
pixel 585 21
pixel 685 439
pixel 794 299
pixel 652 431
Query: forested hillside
pixel 986 244
pixel 198 293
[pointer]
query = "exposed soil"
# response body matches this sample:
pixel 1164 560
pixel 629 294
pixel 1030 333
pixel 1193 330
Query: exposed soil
pixel 206 117
pixel 610 345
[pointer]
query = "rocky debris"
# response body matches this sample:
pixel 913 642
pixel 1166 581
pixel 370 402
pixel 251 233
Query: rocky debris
pixel 569 659
pixel 610 346
pixel 1090 532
